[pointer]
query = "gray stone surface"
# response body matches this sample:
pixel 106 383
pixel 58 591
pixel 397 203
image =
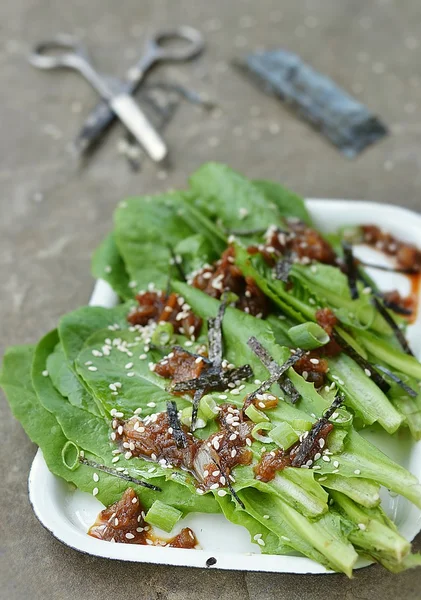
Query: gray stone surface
pixel 52 214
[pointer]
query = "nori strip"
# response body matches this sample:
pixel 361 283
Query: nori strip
pixel 351 270
pixel 307 445
pixel 398 380
pixel 343 120
pixel 229 484
pixel 391 321
pixel 397 308
pixel 389 269
pixel 198 395
pixel 213 379
pixel 115 473
pixel 284 383
pixel 215 336
pixel 277 371
pixel 283 267
pixel 177 432
pixel 362 362
pixel 289 389
pixel 176 263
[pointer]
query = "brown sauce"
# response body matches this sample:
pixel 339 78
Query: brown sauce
pixel 159 307
pixel 123 522
pixel 210 461
pixel 225 276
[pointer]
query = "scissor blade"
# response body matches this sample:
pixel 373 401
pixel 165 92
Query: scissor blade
pixel 131 115
pixel 99 119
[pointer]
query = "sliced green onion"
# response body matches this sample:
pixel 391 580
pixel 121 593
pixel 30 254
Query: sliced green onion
pixel 308 336
pixel 186 415
pixel 265 426
pixel 301 425
pixel 70 455
pixel 208 408
pixel 336 440
pixel 163 515
pixel 284 435
pixel 255 415
pixel 163 334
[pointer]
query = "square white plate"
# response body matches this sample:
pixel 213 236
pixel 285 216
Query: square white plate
pixel 68 513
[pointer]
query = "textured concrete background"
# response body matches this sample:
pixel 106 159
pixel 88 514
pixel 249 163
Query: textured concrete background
pixel 53 214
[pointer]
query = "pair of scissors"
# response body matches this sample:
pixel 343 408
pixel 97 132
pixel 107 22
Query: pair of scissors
pixel 116 94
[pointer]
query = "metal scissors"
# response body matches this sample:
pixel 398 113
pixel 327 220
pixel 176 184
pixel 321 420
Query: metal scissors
pixel 116 94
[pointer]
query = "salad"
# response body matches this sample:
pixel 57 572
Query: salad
pixel 235 376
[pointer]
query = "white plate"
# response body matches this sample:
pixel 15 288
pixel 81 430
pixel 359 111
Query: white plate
pixel 68 513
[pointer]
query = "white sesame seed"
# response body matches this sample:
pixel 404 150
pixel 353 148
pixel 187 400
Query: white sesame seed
pixel 127 455
pixel 153 456
pixel 362 526
pixel 112 387
pixel 134 500
pixel 142 357
pixel 198 360
pixel 118 414
pixel 321 442
pixel 326 458
pixel 214 486
pixel 248 441
pixel 335 464
pixel 88 362
pixel 222 493
pixel 129 536
pixel 261 542
pixel 314 361
pixel 257 382
pixel 113 436
pixel 367 372
pixel 335 471
pixel 120 430
pixel 116 522
pixel 199 491
pixel 95 491
pixel 115 459
pixel 357 472
pixel 151 404
pixel 92 369
pixel 95 477
pixel 45 373
pixel 128 366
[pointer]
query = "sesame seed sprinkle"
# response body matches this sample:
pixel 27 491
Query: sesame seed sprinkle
pixel 92 369
pixel 95 477
pixel 45 373
pixel 95 491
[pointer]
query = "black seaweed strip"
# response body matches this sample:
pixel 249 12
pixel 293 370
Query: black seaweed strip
pixel 400 310
pixel 215 336
pixel 229 484
pixel 307 445
pixel 289 388
pixel 115 473
pixel 177 432
pixel 351 270
pixel 388 269
pixel 398 380
pixel 283 267
pixel 276 372
pixel 362 362
pixel 198 395
pixel 176 264
pixel 390 320
pixel 212 379
pixel 284 383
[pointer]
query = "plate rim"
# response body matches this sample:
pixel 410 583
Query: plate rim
pixel 103 294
